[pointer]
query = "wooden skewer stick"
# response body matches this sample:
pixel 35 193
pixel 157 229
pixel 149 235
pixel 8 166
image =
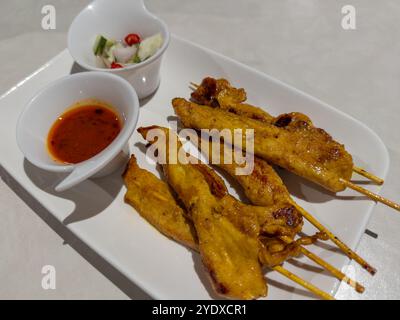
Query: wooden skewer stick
pixel 350 253
pixel 368 175
pixel 370 194
pixel 303 283
pixel 335 272
pixel 193 86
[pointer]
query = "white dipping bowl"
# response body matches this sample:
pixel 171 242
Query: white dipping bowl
pixel 48 104
pixel 115 19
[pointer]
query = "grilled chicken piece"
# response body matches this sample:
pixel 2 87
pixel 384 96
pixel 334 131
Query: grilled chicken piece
pixel 274 251
pixel 263 186
pixel 219 93
pixel 154 201
pixel 310 152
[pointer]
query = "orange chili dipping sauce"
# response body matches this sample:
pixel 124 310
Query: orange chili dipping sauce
pixel 83 131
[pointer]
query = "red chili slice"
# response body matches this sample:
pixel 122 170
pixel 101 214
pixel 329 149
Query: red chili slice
pixel 132 39
pixel 115 65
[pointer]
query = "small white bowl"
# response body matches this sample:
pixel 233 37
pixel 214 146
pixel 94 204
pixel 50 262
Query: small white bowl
pixel 115 19
pixel 48 104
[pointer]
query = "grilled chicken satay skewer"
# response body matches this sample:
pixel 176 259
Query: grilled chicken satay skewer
pixel 264 187
pixel 185 179
pixel 219 92
pixel 309 152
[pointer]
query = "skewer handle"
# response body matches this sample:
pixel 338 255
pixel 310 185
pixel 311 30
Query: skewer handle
pixel 338 274
pixel 303 283
pixel 370 194
pixel 350 253
pixel 335 272
pixel 368 175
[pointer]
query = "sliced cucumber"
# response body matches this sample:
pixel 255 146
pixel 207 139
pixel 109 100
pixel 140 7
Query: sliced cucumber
pixel 149 46
pixel 109 44
pixel 101 44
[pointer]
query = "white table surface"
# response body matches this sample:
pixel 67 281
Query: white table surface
pixel 298 41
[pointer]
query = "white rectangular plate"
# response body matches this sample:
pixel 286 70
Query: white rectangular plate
pixel 95 210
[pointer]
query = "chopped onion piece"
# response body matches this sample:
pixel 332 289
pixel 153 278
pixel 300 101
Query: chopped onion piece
pixel 124 54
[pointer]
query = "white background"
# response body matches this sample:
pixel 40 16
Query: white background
pixel 300 42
